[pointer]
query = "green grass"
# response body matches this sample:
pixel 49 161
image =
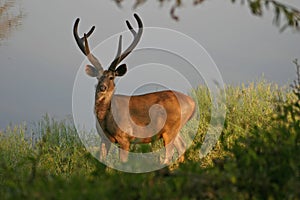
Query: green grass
pixel 256 157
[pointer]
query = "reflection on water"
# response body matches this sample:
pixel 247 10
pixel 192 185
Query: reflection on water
pixel 10 17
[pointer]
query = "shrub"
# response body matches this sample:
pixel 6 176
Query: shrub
pixel 256 157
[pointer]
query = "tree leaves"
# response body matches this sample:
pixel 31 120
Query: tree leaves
pixel 8 19
pixel 285 16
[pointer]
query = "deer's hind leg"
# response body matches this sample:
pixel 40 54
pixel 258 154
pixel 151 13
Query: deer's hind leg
pixel 180 146
pixel 169 143
pixel 169 152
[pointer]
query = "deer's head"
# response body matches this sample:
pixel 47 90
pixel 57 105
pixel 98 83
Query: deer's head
pixel 106 78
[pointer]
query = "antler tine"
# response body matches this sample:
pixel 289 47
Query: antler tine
pixel 87 48
pixel 130 28
pixel 90 56
pixel 84 45
pixel 119 47
pixel 116 60
pixel 136 39
pixel 81 40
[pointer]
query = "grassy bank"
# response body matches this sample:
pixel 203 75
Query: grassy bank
pixel 256 157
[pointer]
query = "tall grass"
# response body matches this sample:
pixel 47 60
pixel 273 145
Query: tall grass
pixel 256 157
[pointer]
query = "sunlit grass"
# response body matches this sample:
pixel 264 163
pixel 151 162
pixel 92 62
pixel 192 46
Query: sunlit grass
pixel 259 143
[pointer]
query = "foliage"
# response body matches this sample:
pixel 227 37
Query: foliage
pixel 282 11
pixel 257 156
pixel 8 20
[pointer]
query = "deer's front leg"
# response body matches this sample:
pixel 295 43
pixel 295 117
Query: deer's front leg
pixel 104 148
pixel 105 141
pixel 124 149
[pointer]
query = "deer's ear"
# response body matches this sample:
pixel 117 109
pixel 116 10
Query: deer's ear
pixel 91 71
pixel 121 70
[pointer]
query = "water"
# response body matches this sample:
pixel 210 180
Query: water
pixel 39 58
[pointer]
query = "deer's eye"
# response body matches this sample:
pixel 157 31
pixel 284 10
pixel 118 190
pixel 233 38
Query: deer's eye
pixel 111 78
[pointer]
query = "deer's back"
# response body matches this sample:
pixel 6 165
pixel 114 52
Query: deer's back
pixel 177 106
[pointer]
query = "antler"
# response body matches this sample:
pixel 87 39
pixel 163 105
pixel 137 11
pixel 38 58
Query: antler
pixel 136 38
pixel 84 46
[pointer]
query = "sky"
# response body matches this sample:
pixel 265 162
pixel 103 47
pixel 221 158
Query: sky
pixel 40 60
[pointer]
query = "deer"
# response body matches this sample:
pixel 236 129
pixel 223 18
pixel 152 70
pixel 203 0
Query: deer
pixel 138 118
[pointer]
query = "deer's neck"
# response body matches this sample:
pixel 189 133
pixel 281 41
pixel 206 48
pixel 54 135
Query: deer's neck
pixel 102 107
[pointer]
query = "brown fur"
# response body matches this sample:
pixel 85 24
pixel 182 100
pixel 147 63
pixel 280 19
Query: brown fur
pixel 132 112
pixel 127 119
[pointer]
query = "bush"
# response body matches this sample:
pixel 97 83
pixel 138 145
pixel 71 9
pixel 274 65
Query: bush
pixel 257 156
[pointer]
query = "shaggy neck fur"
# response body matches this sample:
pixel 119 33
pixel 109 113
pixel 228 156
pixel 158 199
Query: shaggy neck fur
pixel 102 106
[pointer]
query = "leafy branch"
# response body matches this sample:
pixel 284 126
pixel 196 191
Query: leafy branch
pixel 8 19
pixel 296 85
pixel 285 16
pixel 289 14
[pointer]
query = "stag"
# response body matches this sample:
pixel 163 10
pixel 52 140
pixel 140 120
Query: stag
pixel 134 119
